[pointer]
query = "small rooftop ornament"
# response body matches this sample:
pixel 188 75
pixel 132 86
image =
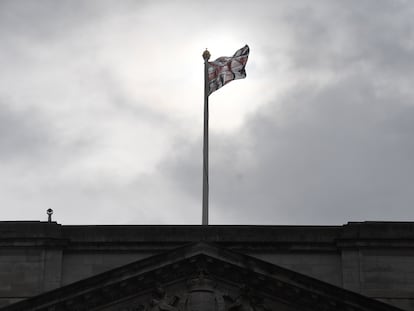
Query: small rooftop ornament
pixel 49 213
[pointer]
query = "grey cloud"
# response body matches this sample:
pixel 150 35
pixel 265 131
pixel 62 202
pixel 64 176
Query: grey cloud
pixel 22 134
pixel 341 155
pixel 339 35
pixel 43 20
pixel 48 19
pixel 325 152
pixel 116 96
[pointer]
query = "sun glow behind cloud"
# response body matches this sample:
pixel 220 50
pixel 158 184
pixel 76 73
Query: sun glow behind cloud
pixel 121 88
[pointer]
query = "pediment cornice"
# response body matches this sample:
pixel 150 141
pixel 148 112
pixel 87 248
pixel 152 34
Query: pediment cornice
pixel 236 282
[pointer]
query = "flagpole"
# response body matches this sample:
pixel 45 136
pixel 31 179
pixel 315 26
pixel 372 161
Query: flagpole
pixel 206 56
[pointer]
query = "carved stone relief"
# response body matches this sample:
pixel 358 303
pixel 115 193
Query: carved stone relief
pixel 162 302
pixel 247 300
pixel 201 294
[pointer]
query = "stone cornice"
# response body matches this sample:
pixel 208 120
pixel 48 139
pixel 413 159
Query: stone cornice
pixel 268 281
pixel 117 238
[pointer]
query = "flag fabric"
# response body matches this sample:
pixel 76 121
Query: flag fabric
pixel 226 69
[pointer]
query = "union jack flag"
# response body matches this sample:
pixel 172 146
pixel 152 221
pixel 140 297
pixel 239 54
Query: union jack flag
pixel 225 69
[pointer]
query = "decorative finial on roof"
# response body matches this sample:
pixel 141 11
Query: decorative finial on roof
pixel 49 213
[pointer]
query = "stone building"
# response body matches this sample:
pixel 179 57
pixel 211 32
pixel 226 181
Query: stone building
pixel 357 266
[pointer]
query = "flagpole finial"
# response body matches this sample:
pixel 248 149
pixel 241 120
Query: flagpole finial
pixel 206 55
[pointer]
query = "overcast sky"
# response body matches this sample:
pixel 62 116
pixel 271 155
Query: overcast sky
pixel 101 111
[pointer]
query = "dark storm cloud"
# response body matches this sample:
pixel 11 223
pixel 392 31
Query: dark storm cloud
pixel 345 157
pixel 339 155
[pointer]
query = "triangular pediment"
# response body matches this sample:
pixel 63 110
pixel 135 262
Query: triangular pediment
pixel 200 277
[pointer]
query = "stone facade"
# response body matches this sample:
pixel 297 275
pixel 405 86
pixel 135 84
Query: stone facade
pixel 200 277
pixel 374 259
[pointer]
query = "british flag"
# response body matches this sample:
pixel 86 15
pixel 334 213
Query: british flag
pixel 226 69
